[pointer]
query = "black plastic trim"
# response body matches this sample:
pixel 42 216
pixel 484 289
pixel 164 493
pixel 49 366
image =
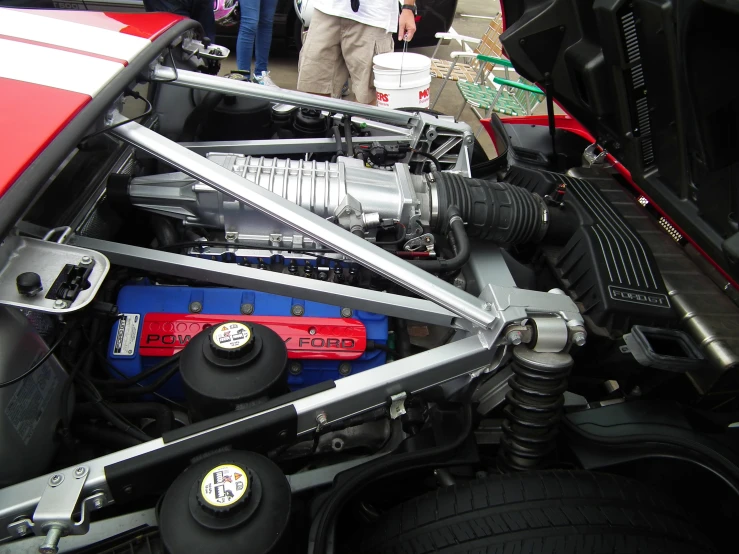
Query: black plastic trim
pixel 230 417
pixel 151 473
pixel 30 185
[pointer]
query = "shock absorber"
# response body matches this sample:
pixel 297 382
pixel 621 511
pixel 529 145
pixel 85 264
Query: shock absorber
pixel 534 407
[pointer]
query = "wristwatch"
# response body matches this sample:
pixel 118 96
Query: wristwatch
pixel 411 7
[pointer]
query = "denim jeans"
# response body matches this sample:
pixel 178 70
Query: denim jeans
pixel 255 29
pixel 199 10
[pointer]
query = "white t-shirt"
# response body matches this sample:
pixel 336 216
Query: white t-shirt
pixel 377 13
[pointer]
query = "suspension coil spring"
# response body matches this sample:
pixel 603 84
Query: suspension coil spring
pixel 534 407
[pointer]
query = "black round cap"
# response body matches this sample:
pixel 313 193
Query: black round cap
pixel 231 340
pixel 28 283
pixel 224 489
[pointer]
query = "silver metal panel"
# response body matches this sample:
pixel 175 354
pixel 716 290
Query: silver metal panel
pixel 47 259
pixel 376 259
pixel 284 146
pixel 232 275
pixel 352 395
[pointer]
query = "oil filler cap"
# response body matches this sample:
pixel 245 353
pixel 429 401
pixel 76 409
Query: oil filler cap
pixel 224 490
pixel 231 340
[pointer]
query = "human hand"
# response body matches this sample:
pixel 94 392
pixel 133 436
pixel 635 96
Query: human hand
pixel 406 25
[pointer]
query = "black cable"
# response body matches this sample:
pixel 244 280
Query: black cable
pixel 348 134
pixel 430 157
pixel 128 92
pixel 40 362
pixel 123 375
pixel 174 67
pixel 463 247
pixel 374 345
pixel 399 237
pixel 138 377
pixel 384 467
pixel 195 243
pixel 148 389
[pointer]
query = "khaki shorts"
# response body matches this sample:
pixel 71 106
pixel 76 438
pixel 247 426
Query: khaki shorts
pixel 336 48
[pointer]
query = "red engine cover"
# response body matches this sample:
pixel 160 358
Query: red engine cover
pixel 306 338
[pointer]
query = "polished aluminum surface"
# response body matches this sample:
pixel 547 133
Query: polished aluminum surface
pixel 247 192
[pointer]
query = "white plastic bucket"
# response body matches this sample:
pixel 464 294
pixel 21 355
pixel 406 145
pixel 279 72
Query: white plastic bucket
pixel 406 87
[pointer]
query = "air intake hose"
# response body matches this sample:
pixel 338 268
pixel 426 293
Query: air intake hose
pixel 494 211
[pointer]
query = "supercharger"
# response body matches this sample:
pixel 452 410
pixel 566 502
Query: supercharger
pixel 355 197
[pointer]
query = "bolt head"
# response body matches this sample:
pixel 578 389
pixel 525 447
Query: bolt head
pixel 298 310
pixel 98 503
pixel 79 471
pixel 514 337
pixel 21 530
pixel 196 307
pixel 312 331
pixel 345 369
pixel 86 260
pixel 579 338
pixel 247 309
pixel 56 479
pixel 346 312
pixel 295 368
pixel 59 304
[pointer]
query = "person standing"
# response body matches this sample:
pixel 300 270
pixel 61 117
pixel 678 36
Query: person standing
pixel 343 37
pixel 199 10
pixel 255 37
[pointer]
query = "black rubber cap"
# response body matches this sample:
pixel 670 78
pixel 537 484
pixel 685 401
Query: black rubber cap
pixel 28 283
pixel 231 340
pixel 258 526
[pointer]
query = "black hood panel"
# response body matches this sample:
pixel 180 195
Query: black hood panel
pixel 654 82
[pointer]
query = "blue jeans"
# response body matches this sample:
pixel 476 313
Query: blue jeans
pixel 257 17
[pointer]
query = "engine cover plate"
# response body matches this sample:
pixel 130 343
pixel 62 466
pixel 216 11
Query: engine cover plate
pixel 159 320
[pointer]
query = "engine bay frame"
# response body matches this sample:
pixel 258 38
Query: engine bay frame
pixel 50 503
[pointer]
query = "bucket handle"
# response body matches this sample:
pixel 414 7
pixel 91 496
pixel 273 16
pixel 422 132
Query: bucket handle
pixel 405 49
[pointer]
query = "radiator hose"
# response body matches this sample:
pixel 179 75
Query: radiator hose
pixel 496 212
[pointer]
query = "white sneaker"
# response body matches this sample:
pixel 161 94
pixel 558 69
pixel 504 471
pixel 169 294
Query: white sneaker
pixel 264 79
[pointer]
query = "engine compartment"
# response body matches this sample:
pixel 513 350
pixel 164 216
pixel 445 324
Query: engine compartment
pixel 222 337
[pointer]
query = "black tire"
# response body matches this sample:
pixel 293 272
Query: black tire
pixel 543 512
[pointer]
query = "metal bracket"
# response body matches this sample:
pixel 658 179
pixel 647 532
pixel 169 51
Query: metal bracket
pixel 397 405
pixel 425 241
pixel 54 514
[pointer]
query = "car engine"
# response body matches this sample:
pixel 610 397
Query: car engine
pixel 262 320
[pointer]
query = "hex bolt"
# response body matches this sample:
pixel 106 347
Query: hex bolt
pixel 312 331
pixel 21 530
pixel 56 479
pixel 295 368
pixel 345 368
pixel 196 307
pixel 59 304
pixel 51 544
pixel 247 309
pixel 231 237
pixel 98 503
pixel 80 471
pixel 86 260
pixel 579 338
pixel 346 312
pixel 487 306
pixel 298 310
pixel 514 337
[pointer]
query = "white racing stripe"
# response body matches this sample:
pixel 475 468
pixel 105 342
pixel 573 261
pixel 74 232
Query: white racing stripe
pixel 55 68
pixel 104 42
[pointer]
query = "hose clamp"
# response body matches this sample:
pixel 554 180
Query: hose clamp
pixel 456 218
pixel 544 219
pixel 434 208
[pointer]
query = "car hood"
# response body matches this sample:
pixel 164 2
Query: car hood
pixel 652 81
pixel 54 63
